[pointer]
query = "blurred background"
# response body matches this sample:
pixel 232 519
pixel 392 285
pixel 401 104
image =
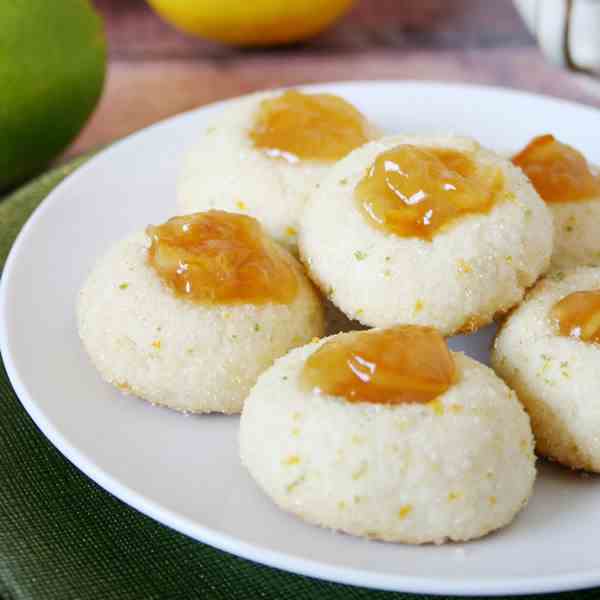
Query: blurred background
pixel 140 68
pixel 156 71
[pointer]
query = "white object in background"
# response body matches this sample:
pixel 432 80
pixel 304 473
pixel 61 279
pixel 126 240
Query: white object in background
pixel 568 31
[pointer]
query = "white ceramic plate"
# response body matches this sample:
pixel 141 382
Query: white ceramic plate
pixel 184 471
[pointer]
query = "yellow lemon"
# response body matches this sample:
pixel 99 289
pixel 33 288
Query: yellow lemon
pixel 252 22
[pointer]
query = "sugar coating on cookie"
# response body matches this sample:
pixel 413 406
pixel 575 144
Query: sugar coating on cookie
pixel 454 468
pixel 473 267
pixel 554 373
pixel 576 234
pixel 571 187
pixel 264 154
pixel 148 340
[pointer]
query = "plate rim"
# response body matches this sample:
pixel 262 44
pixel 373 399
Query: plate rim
pixel 492 586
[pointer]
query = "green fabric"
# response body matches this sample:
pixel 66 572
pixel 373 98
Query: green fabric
pixel 62 537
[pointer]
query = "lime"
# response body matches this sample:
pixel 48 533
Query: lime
pixel 52 67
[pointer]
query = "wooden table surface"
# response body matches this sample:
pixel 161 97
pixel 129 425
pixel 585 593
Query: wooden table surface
pixel 156 72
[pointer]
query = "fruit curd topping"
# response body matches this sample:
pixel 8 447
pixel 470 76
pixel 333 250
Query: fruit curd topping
pixel 217 257
pixel 578 315
pixel 414 191
pixel 557 171
pixel 401 365
pixel 317 127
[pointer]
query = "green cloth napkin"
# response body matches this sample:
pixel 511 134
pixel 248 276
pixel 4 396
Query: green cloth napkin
pixel 62 537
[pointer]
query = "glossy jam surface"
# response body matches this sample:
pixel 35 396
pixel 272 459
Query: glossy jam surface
pixel 414 192
pixel 217 257
pixel 404 364
pixel 558 172
pixel 319 127
pixel 578 315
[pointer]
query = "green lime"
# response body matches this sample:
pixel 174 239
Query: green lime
pixel 52 67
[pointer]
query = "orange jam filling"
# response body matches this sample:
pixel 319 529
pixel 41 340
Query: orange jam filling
pixel 414 192
pixel 403 364
pixel 217 257
pixel 578 315
pixel 297 126
pixel 558 172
